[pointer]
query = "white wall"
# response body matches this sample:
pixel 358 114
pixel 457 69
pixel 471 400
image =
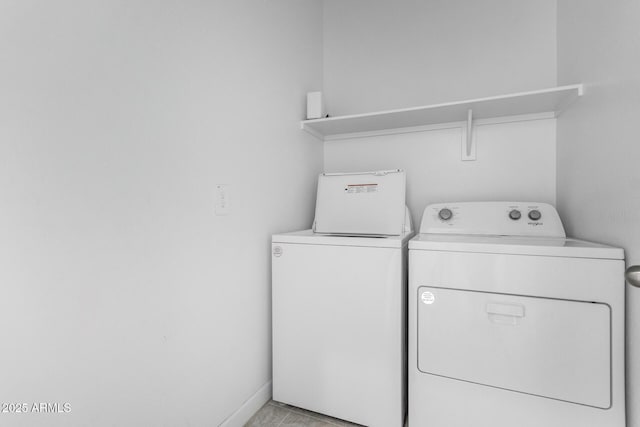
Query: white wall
pixel 121 292
pixel 516 161
pixel 381 55
pixel 598 151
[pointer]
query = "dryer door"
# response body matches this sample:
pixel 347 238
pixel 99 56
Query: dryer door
pixel 552 348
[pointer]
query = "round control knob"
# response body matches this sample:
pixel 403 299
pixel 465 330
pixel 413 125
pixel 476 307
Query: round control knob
pixel 445 214
pixel 535 215
pixel 515 214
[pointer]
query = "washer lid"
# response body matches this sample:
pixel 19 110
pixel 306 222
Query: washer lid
pixel 363 203
pixel 515 245
pixel 308 237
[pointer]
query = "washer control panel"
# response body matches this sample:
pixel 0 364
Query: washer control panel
pixel 493 218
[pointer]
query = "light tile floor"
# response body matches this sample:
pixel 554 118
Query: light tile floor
pixel 276 414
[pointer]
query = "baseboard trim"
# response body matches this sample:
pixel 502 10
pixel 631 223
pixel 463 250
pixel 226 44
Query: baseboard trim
pixel 240 417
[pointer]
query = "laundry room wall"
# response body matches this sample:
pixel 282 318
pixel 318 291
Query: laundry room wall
pixel 598 151
pixel 381 55
pixel 121 292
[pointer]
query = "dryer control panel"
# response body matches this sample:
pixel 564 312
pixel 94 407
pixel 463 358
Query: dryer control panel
pixel 493 218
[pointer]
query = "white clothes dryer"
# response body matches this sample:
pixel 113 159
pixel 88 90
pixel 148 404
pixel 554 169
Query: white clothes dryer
pixel 511 323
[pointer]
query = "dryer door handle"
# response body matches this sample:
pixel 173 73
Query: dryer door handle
pixel 505 313
pixel 633 275
pixel 504 309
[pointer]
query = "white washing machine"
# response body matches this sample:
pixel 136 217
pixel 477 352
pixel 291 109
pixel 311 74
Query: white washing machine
pixel 511 323
pixel 339 325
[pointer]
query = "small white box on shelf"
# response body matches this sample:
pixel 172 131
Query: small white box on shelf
pixel 315 106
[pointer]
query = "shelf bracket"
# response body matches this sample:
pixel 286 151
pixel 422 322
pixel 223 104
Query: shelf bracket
pixel 468 146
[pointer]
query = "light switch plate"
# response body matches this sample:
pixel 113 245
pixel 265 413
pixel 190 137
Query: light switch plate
pixel 222 199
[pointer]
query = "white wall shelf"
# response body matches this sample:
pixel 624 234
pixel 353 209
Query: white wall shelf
pixel 540 103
